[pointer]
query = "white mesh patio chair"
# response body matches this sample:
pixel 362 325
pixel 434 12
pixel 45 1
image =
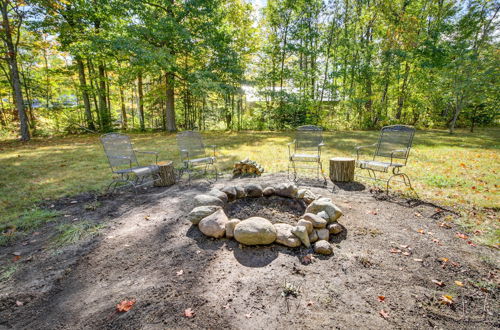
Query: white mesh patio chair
pixel 390 154
pixel 124 164
pixel 194 155
pixel 305 151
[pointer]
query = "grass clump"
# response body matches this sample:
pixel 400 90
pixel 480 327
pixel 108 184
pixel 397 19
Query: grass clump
pixel 28 221
pixel 70 233
pixel 7 272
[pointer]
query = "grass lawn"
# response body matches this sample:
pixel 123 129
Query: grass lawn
pixel 460 170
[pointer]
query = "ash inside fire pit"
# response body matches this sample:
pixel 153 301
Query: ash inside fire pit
pixel 275 208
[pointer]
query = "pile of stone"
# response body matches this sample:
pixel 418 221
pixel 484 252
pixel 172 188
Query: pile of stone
pixel 314 227
pixel 247 167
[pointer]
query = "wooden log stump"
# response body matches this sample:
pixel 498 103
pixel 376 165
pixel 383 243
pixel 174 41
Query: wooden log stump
pixel 342 169
pixel 167 174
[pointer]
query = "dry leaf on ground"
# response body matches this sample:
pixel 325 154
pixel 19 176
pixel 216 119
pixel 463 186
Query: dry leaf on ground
pixel 125 306
pixel 384 314
pixel 189 313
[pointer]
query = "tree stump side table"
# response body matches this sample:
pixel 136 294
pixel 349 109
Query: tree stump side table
pixel 342 169
pixel 167 174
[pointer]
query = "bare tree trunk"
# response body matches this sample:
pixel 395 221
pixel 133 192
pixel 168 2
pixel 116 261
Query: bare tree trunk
pixel 124 112
pixel 402 95
pixel 16 81
pixel 141 102
pixel 85 94
pixel 103 108
pixel 170 110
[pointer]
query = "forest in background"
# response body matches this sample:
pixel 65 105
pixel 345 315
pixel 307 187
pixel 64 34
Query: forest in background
pixel 73 66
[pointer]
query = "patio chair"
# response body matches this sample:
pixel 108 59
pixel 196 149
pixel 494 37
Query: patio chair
pixel 123 162
pixel 306 148
pixel 390 153
pixel 193 153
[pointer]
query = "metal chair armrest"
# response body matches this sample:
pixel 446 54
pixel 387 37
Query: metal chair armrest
pixel 358 148
pixel 319 147
pixel 186 152
pixel 405 151
pixel 289 150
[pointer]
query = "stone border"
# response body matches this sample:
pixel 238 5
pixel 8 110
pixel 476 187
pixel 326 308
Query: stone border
pixel 318 222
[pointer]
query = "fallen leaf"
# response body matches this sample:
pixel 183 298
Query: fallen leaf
pixel 381 298
pixel 421 231
pixel 226 306
pixel 125 306
pixel 16 253
pixel 406 253
pixel 417 214
pixel 438 283
pixel 16 258
pixel 310 303
pixel 19 303
pixel 459 283
pixel 471 244
pixel 395 251
pixel 189 313
pixel 306 260
pixel 147 217
pixel 180 272
pixel 460 235
pixel 443 259
pixel 446 300
pixel 404 246
pixel 384 314
pixel 249 315
pixel 445 225
pixel 418 260
pixel 463 165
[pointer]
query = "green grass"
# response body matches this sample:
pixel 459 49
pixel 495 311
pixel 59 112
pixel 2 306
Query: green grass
pixel 460 170
pixel 70 233
pixel 26 222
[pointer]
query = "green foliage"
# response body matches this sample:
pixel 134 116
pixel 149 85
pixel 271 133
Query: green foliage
pixel 443 181
pixel 70 233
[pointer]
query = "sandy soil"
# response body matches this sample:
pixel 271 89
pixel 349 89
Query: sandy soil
pixel 390 247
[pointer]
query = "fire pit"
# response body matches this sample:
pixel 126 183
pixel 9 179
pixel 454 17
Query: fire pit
pixel 281 214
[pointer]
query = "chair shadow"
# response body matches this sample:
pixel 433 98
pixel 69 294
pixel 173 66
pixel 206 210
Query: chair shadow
pixel 349 186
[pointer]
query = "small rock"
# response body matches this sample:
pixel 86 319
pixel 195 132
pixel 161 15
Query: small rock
pixel 323 247
pixel 323 215
pixel 316 220
pixel 207 200
pixel 335 228
pixel 219 194
pixel 240 192
pixel 325 205
pixel 307 224
pixel 253 190
pixel 201 212
pixel 285 236
pixel 306 195
pixel 255 231
pixel 323 234
pixel 286 190
pixel 268 191
pixel 230 191
pixel 301 233
pixel 214 225
pixel 313 237
pixel 230 227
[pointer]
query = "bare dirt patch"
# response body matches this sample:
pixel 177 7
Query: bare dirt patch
pixel 148 252
pixel 275 208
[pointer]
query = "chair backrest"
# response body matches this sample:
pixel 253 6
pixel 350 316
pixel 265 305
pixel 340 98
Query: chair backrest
pixel 308 137
pixel 119 150
pixel 395 137
pixel 191 142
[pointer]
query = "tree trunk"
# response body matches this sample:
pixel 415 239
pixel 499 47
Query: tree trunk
pixel 170 110
pixel 402 95
pixel 85 94
pixel 124 112
pixel 103 109
pixel 141 102
pixel 16 81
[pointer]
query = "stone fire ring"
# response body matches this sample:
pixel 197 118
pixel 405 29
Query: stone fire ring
pixel 318 222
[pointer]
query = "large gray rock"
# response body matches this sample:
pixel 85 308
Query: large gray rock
pixel 255 231
pixel 207 200
pixel 306 224
pixel 323 234
pixel 200 212
pixel 335 228
pixel 268 191
pixel 230 192
pixel 301 233
pixel 214 225
pixel 316 220
pixel 253 190
pixel 230 225
pixel 219 194
pixel 240 192
pixel 286 190
pixel 285 236
pixel 325 205
pixel 323 247
pixel 306 195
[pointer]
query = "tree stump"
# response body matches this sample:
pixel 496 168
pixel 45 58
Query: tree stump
pixel 167 174
pixel 342 169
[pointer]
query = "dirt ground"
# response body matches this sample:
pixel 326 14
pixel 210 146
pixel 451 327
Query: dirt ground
pixel 149 252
